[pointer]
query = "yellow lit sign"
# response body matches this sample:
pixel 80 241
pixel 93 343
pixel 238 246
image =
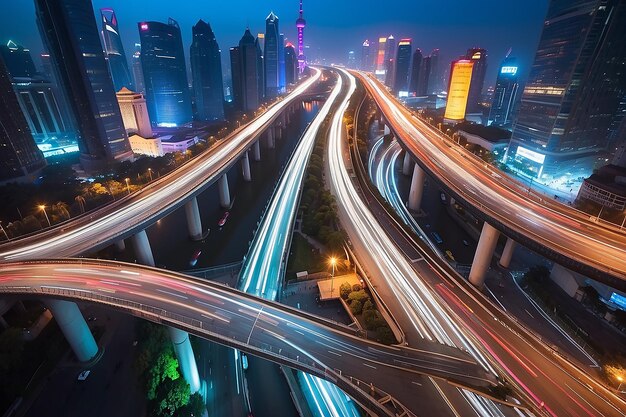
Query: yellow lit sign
pixel 459 89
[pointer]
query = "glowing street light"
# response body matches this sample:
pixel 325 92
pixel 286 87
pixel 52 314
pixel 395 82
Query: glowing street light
pixel 620 380
pixel 150 173
pixel 333 262
pixel 127 185
pixel 43 208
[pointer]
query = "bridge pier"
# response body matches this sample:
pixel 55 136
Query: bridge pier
pixel 74 327
pixel 269 134
pixel 256 150
pixel 194 223
pixel 279 131
pixel 507 253
pixel 417 188
pixel 484 251
pixel 224 191
pixel 245 167
pixel 143 251
pixel 406 164
pixel 186 358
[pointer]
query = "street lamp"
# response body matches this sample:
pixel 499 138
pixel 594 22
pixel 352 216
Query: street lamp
pixel 620 380
pixel 4 231
pixel 150 173
pixel 127 185
pixel 333 262
pixel 43 208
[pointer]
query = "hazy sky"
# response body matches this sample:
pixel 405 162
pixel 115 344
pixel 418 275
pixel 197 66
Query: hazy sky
pixel 334 27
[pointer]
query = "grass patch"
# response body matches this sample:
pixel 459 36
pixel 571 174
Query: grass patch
pixel 303 257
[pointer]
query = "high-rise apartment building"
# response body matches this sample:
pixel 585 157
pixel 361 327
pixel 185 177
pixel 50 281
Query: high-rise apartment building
pixel 70 34
pixel 114 50
pixel 206 70
pixel 165 74
pixel 572 99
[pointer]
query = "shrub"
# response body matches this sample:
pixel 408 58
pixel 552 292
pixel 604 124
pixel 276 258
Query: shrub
pixel 356 307
pixel 357 287
pixel 345 290
pixel 360 296
pixel 368 305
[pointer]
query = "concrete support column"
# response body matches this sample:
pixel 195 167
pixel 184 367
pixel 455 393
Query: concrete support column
pixel 224 191
pixel 256 151
pixel 484 252
pixel 120 245
pixel 507 253
pixel 143 251
pixel 269 133
pixel 278 132
pixel 417 188
pixel 194 223
pixel 245 167
pixel 74 327
pixel 186 358
pixel 406 164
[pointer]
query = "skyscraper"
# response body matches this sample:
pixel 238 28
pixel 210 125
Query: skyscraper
pixel 505 93
pixel 247 67
pixel 458 90
pixel 134 112
pixel 366 56
pixel 573 93
pixel 390 61
pixel 434 78
pixel 416 65
pixel 403 64
pixel 380 57
pixel 46 66
pixel 291 64
pixel 300 25
pixel 18 60
pixel 114 50
pixel 281 64
pixel 236 78
pixel 70 34
pixel 137 70
pixel 19 156
pixel 424 77
pixel 351 60
pixel 206 69
pixel 479 57
pixel 260 70
pixel 165 73
pixel 270 56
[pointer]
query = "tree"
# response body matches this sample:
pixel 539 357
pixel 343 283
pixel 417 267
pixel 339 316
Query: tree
pixel 194 408
pixel 357 287
pixel 356 307
pixel 344 290
pixel 368 305
pixel 385 335
pixel 360 296
pixel 166 367
pixel 171 396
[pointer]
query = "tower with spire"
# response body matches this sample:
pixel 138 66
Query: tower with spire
pixel 300 24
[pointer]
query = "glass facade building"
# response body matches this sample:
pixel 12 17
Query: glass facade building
pixel 114 50
pixel 270 56
pixel 206 70
pixel 505 93
pixel 574 90
pixel 70 34
pixel 403 65
pixel 165 73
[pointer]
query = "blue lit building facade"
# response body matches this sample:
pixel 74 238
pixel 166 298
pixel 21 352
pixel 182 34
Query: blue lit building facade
pixel 505 93
pixel 70 34
pixel 271 56
pixel 165 74
pixel 206 70
pixel 114 50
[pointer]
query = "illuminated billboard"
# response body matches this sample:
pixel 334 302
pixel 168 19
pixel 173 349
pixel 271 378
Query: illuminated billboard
pixel 459 89
pixel 508 70
pixel 532 155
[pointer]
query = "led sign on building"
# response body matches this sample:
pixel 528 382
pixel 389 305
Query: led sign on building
pixel 532 155
pixel 508 70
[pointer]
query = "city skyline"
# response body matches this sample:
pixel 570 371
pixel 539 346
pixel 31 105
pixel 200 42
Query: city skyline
pixel 453 31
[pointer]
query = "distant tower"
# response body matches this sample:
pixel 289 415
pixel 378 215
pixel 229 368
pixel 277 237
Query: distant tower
pixel 300 24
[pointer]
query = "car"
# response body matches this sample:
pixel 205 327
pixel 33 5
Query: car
pixel 194 258
pixel 222 221
pixel 83 375
pixel 437 238
pixel 443 198
pixel 244 361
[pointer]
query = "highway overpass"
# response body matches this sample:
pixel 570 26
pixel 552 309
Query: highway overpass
pixel 554 230
pixel 260 327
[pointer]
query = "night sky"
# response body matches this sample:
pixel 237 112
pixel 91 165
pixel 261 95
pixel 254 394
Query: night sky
pixel 333 26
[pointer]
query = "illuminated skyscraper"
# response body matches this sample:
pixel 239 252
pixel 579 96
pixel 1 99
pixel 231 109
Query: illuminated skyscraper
pixel 247 68
pixel 416 67
pixel 291 64
pixel 70 34
pixel 403 64
pixel 206 69
pixel 479 57
pixel 134 112
pixel 367 56
pixel 434 76
pixel 424 77
pixel 505 93
pixel 270 56
pixel 18 60
pixel 114 50
pixel 300 25
pixel 165 73
pixel 137 70
pixel 390 61
pixel 380 57
pixel 575 89
pixel 281 63
pixel 236 78
pixel 458 90
pixel 19 156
